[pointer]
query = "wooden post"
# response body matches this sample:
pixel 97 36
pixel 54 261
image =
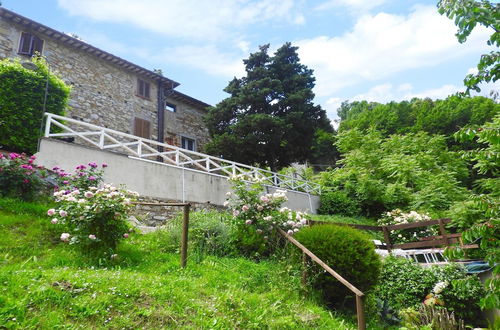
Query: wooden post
pixel 442 231
pixel 360 313
pixel 304 270
pixel 387 238
pixel 184 239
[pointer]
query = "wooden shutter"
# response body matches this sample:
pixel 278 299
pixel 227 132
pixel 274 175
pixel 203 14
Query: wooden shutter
pixel 25 44
pixel 142 128
pixel 36 45
pixel 142 88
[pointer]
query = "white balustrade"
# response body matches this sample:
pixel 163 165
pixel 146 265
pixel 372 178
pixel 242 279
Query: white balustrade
pixel 145 149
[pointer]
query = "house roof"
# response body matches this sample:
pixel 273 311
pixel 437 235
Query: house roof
pixel 81 45
pixel 176 95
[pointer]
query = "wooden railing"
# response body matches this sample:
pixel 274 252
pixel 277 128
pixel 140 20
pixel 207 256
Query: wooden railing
pixel 359 295
pixel 146 149
pixel 443 239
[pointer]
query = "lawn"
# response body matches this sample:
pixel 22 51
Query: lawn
pixel 47 284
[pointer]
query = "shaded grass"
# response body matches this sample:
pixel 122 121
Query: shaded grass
pixel 48 284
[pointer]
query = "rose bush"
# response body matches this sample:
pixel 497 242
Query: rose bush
pixel 84 176
pixel 256 215
pixel 20 177
pixel 94 219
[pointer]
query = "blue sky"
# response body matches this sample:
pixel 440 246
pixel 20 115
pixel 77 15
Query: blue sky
pixel 378 50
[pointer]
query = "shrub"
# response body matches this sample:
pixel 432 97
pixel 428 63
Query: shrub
pixel 405 284
pixel 210 233
pixel 338 202
pixel 256 216
pixel 464 214
pixel 20 178
pixel 95 219
pixel 84 177
pixel 396 217
pixel 22 97
pixel 431 318
pixel 347 251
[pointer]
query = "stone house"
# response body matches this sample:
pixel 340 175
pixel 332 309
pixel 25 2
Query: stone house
pixel 107 90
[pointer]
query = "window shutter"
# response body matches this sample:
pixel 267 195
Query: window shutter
pixel 37 45
pixel 142 128
pixel 146 90
pixel 25 43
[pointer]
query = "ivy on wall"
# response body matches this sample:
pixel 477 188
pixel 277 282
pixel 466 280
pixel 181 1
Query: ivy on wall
pixel 22 97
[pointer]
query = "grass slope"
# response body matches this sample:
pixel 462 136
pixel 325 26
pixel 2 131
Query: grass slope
pixel 46 284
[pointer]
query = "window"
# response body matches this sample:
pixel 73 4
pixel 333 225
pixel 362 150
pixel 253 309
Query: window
pixel 29 44
pixel 170 107
pixel 142 88
pixel 142 128
pixel 188 143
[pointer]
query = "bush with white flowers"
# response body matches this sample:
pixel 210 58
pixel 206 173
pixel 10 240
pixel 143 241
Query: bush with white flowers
pixel 257 214
pixel 397 217
pixel 95 218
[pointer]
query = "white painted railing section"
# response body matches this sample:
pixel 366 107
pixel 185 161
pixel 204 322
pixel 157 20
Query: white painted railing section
pixel 145 149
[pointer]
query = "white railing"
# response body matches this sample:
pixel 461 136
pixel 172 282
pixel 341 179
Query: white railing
pixel 145 149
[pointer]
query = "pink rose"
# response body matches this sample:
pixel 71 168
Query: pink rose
pixel 264 199
pixel 125 235
pixel 248 222
pixel 236 213
pixel 63 213
pixel 54 221
pixel 65 237
pixel 92 237
pixel 245 208
pixel 260 208
pixel 51 212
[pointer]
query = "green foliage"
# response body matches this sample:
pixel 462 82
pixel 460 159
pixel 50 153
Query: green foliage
pixel 22 97
pixel 464 214
pixel 413 171
pixel 257 215
pixel 95 220
pixel 46 285
pixel 210 232
pixel 270 118
pixel 397 217
pixel 20 178
pixel 338 202
pixel 434 117
pixel 405 284
pixel 430 318
pixel 347 251
pixel 467 14
pixel 487 231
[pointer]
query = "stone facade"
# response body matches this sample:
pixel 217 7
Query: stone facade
pixel 154 216
pixel 105 93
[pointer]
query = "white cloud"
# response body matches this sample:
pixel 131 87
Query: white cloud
pixel 186 18
pixel 205 58
pixel 382 45
pixel 354 6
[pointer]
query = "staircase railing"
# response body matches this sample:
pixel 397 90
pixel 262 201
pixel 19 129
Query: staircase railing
pixel 146 149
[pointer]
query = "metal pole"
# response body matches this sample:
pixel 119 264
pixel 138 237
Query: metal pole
pixel 184 239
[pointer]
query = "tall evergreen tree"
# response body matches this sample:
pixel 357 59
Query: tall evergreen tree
pixel 269 119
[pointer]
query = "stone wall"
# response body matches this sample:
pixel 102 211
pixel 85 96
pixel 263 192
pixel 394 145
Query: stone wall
pixel 152 215
pixel 186 121
pixel 105 94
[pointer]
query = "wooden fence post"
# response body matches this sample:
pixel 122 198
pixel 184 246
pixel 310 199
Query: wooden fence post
pixel 360 313
pixel 184 241
pixel 387 238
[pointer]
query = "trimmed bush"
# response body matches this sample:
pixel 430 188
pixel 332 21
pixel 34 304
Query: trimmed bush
pixel 338 202
pixel 22 95
pixel 347 251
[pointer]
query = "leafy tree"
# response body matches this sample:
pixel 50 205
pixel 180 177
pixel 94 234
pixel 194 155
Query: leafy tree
pixel 269 118
pixel 413 171
pixel 467 15
pixel 22 98
pixel 487 231
pixel 435 117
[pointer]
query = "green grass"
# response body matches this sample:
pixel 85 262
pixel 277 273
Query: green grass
pixel 48 284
